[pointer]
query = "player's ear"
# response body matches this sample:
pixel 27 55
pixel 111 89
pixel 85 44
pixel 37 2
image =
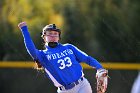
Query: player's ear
pixel 43 37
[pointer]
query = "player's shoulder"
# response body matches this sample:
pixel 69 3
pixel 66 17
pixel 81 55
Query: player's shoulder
pixel 68 45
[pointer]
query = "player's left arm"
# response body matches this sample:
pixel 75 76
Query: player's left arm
pixel 101 75
pixel 83 57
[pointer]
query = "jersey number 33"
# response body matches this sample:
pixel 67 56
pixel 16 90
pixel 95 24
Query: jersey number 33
pixel 66 62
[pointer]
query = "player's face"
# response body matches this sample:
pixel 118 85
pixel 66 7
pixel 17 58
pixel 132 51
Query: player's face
pixel 51 36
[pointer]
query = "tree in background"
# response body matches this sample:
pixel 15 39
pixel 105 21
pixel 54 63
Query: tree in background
pixel 105 29
pixel 36 13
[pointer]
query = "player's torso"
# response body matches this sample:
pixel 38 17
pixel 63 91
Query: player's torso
pixel 62 64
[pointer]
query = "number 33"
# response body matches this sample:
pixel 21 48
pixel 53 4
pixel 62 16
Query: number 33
pixel 66 62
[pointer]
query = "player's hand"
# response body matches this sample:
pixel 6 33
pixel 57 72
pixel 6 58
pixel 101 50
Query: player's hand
pixel 102 80
pixel 22 24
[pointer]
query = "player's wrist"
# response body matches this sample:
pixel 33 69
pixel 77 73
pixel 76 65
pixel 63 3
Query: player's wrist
pixel 24 28
pixel 102 72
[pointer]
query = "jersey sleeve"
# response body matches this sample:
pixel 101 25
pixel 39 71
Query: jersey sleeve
pixel 31 49
pixel 83 57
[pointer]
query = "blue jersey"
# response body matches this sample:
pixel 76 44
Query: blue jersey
pixel 62 63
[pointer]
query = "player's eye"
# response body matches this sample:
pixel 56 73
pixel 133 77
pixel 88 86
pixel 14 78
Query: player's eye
pixel 52 34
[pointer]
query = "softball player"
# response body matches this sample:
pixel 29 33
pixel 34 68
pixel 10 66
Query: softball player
pixel 61 62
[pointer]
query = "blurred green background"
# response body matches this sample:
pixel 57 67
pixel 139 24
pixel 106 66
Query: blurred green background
pixel 108 30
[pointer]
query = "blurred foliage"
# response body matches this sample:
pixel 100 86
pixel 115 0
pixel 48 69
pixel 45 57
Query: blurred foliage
pixel 105 29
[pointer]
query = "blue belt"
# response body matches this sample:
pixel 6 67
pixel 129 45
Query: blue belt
pixel 71 85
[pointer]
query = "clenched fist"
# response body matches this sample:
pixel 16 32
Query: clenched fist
pixel 22 24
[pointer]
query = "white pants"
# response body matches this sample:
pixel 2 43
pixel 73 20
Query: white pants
pixel 82 87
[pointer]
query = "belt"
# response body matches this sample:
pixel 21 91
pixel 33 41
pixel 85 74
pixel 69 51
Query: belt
pixel 71 85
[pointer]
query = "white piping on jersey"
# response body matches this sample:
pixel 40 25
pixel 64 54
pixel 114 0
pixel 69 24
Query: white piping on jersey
pixel 53 79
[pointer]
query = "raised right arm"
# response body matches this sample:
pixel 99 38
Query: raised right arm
pixel 28 41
